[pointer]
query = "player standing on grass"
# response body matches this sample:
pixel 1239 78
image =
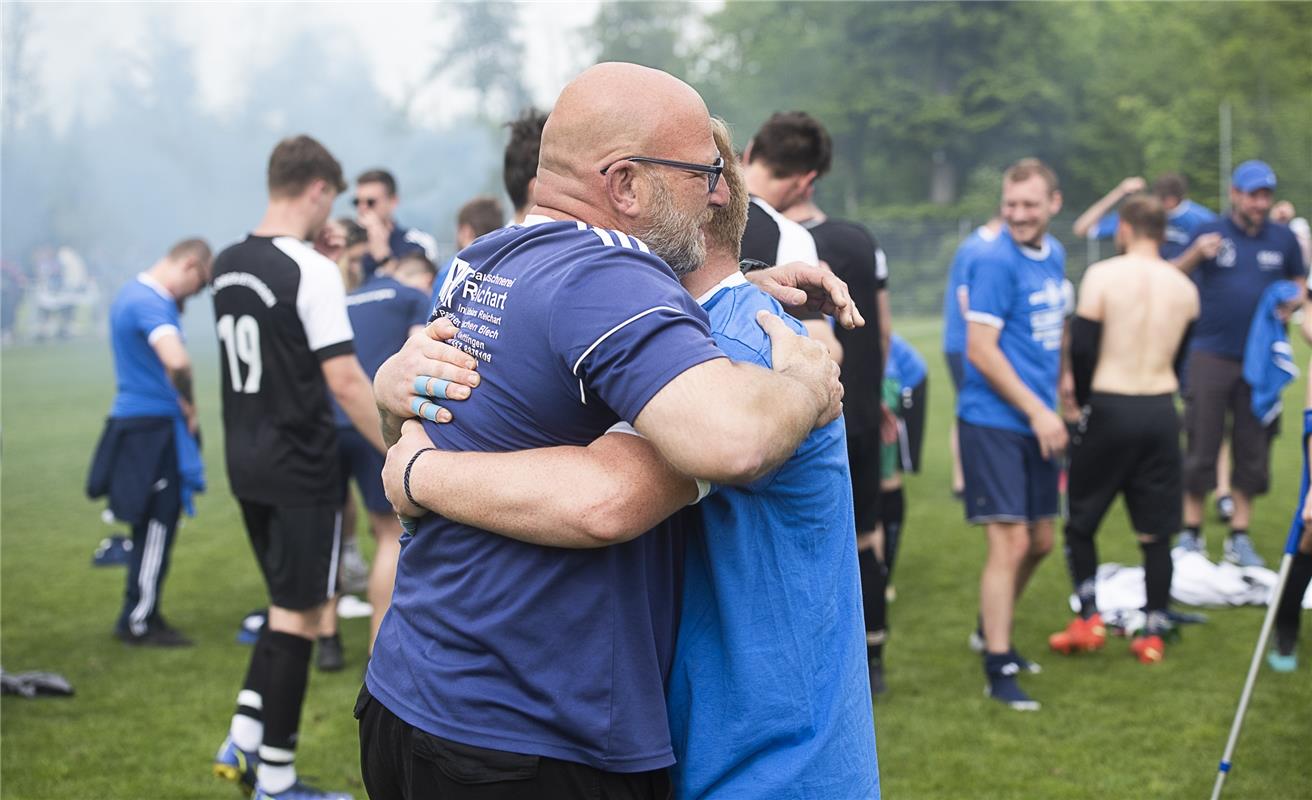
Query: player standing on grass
pixel 286 343
pixel 1128 340
pixel 148 458
pixel 1011 438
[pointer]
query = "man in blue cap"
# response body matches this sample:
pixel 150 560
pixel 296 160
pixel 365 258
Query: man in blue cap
pixel 1235 259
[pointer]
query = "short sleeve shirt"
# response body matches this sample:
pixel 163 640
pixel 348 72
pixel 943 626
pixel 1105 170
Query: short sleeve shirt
pixel 1230 285
pixel 403 240
pixel 142 312
pixel 954 324
pixel 382 312
pixel 280 311
pixel 1181 224
pixel 501 644
pixel 1024 293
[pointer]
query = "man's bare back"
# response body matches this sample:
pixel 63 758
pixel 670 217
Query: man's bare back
pixel 1145 305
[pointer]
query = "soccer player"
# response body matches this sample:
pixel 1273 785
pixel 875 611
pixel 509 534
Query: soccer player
pixel 148 458
pixel 542 669
pixel 520 161
pixel 1233 260
pixel 375 208
pixel 753 711
pixel 1011 437
pixel 384 311
pixel 1129 335
pixel 477 217
pixel 286 343
pixel 955 304
pixel 1183 216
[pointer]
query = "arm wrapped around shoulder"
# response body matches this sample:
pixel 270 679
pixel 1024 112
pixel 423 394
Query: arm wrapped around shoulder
pixel 1086 338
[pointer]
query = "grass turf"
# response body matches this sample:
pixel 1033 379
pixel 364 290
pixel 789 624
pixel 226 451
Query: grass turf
pixel 145 723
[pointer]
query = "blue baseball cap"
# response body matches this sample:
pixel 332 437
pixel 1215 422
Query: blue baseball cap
pixel 1253 175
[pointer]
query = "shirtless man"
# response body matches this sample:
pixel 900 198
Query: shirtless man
pixel 1127 339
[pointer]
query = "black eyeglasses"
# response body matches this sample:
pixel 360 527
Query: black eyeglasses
pixel 712 171
pixel 367 202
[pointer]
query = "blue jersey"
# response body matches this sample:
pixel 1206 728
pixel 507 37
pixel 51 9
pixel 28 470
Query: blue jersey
pixel 770 693
pixel 403 241
pixel 1023 292
pixel 954 325
pixel 1181 223
pixel 1230 285
pixel 546 651
pixel 142 312
pixel 382 312
pixel 904 364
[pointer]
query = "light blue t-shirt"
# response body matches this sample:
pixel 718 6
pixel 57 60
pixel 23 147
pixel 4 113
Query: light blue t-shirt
pixel 769 695
pixel 1024 293
pixel 142 311
pixel 954 325
pixel 1181 223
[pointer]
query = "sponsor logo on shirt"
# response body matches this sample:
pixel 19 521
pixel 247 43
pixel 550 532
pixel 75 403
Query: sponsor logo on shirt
pixel 1225 257
pixel 1270 259
pixel 1046 322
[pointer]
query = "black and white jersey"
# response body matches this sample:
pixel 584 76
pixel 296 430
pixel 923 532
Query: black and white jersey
pixel 280 310
pixel 772 238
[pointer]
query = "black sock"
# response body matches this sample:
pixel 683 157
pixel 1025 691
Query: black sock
pixel 1291 600
pixel 247 729
pixel 892 512
pixel 1082 561
pixel 289 671
pixel 874 579
pixel 1157 571
pixel 1238 532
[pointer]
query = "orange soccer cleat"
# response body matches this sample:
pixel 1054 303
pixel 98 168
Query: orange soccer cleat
pixel 1081 636
pixel 1148 649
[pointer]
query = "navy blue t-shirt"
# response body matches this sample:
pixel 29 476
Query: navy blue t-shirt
pixel 501 644
pixel 1181 223
pixel 141 313
pixel 1230 285
pixel 402 241
pixel 382 312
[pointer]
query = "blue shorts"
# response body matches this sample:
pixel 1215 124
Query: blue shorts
pixel 956 368
pixel 1007 479
pixel 361 461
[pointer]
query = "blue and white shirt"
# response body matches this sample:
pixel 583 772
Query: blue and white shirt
pixel 770 692
pixel 1181 223
pixel 501 644
pixel 1023 292
pixel 382 311
pixel 954 325
pixel 142 312
pixel 1231 285
pixel 403 240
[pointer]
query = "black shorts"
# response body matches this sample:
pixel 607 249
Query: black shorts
pixel 911 430
pixel 298 548
pixel 1127 444
pixel 360 460
pixel 863 458
pixel 401 762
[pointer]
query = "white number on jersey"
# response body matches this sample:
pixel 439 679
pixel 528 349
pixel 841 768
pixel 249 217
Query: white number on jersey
pixel 241 343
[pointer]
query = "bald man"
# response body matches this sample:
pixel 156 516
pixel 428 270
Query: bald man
pixel 510 669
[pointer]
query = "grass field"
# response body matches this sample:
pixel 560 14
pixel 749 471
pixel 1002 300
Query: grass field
pixel 145 723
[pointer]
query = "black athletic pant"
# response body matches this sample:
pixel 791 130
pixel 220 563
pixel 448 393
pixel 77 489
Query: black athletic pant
pixel 401 762
pixel 152 544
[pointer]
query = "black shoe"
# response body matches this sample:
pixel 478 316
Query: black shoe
pixel 330 658
pixel 877 685
pixel 157 635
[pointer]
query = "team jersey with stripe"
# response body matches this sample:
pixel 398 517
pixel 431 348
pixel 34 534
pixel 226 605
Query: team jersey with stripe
pixel 403 241
pixel 280 310
pixel 142 312
pixel 500 644
pixel 1023 292
pixel 1181 223
pixel 954 324
pixel 772 238
pixel 382 312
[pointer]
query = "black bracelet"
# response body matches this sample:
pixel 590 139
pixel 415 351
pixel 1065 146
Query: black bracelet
pixel 405 479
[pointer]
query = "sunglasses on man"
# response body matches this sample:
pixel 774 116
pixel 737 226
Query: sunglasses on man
pixel 367 202
pixel 712 171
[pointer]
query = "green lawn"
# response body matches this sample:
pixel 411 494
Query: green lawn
pixel 145 723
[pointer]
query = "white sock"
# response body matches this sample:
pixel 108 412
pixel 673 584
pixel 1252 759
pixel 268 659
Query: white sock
pixel 247 732
pixel 278 776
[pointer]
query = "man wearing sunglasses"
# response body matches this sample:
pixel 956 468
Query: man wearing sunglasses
pixel 375 204
pixel 508 669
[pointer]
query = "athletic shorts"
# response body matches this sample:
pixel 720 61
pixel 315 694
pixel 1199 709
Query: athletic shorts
pixel 956 368
pixel 361 461
pixel 863 452
pixel 1127 444
pixel 1215 390
pixel 1007 478
pixel 297 548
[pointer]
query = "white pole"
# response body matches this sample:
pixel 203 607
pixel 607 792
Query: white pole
pixel 1271 608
